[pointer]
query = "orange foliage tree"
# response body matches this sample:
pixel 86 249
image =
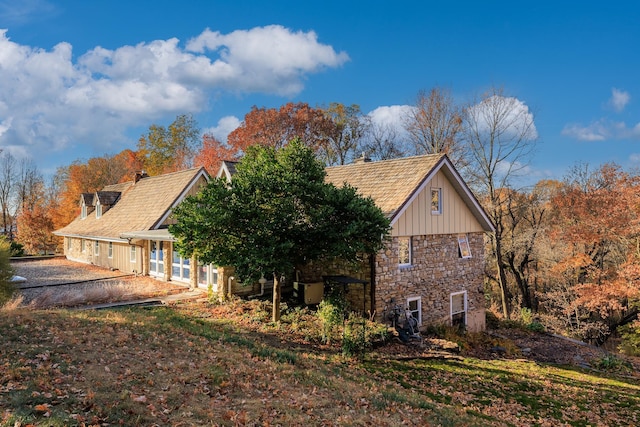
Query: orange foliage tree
pixel 598 222
pixel 272 127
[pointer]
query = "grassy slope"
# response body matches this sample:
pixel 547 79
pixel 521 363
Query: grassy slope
pixel 187 366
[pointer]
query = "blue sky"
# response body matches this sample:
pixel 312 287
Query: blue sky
pixel 85 78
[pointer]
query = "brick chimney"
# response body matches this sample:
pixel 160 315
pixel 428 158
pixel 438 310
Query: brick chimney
pixel 139 175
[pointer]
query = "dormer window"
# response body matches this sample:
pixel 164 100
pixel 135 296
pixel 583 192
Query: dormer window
pixel 83 215
pixel 98 210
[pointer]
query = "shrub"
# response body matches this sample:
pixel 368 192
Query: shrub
pixel 16 249
pixel 6 272
pixel 630 339
pixel 331 313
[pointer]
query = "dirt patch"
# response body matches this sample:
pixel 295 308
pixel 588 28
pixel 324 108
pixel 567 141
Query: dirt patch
pixel 58 282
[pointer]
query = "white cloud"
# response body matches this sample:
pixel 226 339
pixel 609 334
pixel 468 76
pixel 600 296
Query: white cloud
pixel 602 130
pixel 619 99
pixel 269 59
pixel 49 102
pixel 393 115
pixel 225 126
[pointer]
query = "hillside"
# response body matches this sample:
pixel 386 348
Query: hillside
pixel 201 364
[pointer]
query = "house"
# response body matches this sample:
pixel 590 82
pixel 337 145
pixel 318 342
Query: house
pixel 124 227
pixel 433 264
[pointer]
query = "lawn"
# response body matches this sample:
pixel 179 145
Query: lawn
pixel 202 364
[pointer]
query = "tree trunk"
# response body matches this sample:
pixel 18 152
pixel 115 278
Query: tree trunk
pixel 502 281
pixel 275 316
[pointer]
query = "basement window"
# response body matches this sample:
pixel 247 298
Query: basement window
pixel 414 306
pixel 458 306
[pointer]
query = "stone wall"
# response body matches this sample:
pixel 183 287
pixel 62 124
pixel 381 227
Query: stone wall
pixel 437 271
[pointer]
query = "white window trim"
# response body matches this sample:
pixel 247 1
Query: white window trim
pixel 157 260
pixel 96 248
pixel 419 300
pixel 83 212
pixel 439 210
pixel 110 251
pixel 463 246
pixel 132 254
pixel 180 265
pixel 98 210
pixel 410 263
pixel 465 303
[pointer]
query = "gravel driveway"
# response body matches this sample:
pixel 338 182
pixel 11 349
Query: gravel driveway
pixel 56 282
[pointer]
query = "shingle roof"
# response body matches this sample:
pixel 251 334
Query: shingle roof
pixel 390 183
pixel 142 206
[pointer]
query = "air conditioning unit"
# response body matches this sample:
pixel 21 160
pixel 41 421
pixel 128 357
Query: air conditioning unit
pixel 309 293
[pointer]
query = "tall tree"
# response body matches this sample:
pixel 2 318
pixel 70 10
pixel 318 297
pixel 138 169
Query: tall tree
pixel 8 176
pixel 169 149
pixel 382 142
pixel 271 127
pixel 346 136
pixel 499 134
pixel 434 125
pixel 277 214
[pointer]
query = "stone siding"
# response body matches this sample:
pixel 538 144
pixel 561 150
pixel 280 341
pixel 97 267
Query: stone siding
pixel 437 271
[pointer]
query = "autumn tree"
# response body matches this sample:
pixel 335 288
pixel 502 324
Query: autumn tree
pixel 434 125
pixel 277 215
pixel 499 135
pixel 598 220
pixel 169 149
pixel 271 127
pixel 346 136
pixel 212 153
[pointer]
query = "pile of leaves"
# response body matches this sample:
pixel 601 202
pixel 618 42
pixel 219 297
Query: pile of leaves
pixel 197 363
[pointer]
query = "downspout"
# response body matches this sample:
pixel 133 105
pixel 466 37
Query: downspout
pixel 229 280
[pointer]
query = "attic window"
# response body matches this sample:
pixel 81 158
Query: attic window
pixel 98 210
pixel 83 214
pixel 436 201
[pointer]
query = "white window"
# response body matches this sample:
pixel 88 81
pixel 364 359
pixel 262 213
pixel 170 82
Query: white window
pixel 132 254
pixel 404 251
pixel 463 246
pixel 83 214
pixel 181 268
pixel 156 258
pixel 459 308
pixel 414 306
pixel 208 275
pixel 83 246
pixel 96 248
pixel 436 201
pixel 98 210
pixel 110 253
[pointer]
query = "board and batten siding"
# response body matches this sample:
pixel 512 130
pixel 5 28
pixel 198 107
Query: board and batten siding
pixel 417 219
pixel 121 259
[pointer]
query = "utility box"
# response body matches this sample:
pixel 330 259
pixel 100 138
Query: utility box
pixel 309 293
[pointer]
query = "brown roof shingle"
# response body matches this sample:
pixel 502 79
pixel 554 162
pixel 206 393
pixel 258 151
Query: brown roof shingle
pixel 141 206
pixel 390 183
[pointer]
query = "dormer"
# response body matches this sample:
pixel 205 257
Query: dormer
pixel 104 200
pixel 86 204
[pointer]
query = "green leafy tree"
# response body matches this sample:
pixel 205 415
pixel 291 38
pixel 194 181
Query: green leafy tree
pixel 277 214
pixel 6 272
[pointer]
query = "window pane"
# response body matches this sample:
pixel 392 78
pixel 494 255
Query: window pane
pixel 457 303
pixel 436 200
pixel 404 250
pixel 202 274
pixel 175 271
pixel 463 245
